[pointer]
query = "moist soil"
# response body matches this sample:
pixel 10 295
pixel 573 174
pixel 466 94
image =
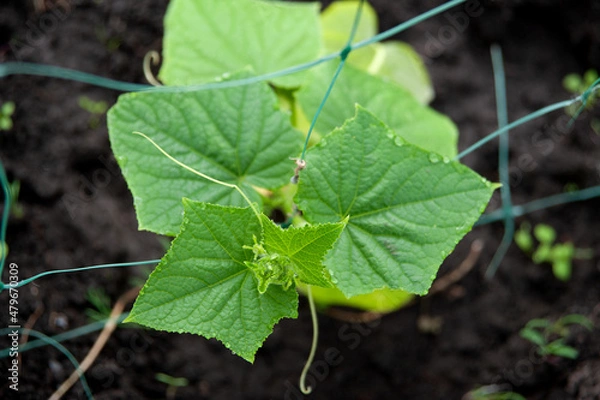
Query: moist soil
pixel 77 211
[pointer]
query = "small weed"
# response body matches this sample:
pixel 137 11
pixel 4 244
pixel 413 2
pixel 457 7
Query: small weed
pixel 100 300
pixel 6 112
pixel 3 249
pixel 172 384
pixel 577 84
pixel 492 392
pixel 95 108
pixel 551 337
pixel 560 255
pixel 16 209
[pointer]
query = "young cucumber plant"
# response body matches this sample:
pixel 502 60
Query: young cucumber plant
pixel 6 111
pixel 551 337
pixel 376 212
pixel 560 255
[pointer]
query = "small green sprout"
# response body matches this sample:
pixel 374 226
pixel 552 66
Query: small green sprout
pixel 551 337
pixel 560 255
pixel 3 250
pixel 16 209
pixel 577 84
pixel 96 108
pixel 492 392
pixel 6 112
pixel 100 300
pixel 172 383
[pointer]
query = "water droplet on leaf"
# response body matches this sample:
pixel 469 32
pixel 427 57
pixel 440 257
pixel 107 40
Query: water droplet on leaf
pixel 434 158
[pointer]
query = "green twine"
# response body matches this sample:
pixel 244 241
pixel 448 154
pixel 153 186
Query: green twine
pixel 501 111
pixel 405 25
pixel 61 337
pixel 540 204
pixel 4 223
pixel 512 125
pixel 70 270
pixel 22 68
pixel 542 111
pixel 60 348
pixel 50 71
pixel 15 68
pixel 343 56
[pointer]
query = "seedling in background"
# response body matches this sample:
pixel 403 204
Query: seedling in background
pixel 6 112
pixel 560 255
pixel 577 84
pixel 551 337
pixel 3 249
pixel 96 108
pixel 100 300
pixel 492 392
pixel 16 208
pixel 172 384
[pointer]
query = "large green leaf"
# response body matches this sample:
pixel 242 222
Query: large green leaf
pixel 204 39
pixel 236 135
pixel 202 285
pixel 408 208
pixel 395 106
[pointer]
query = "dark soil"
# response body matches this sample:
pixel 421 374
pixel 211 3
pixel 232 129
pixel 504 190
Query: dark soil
pixel 78 211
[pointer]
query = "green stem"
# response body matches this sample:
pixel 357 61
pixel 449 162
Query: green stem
pixel 313 349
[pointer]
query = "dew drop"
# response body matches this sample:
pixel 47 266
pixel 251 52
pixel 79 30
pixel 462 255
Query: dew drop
pixel 446 160
pixel 122 160
pixel 432 277
pixel 399 141
pixel 333 278
pixel 434 158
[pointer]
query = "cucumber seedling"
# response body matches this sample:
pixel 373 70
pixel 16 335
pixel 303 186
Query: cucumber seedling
pixel 376 202
pixel 559 255
pixel 550 337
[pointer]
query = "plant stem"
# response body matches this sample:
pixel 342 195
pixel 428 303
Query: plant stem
pixel 313 349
